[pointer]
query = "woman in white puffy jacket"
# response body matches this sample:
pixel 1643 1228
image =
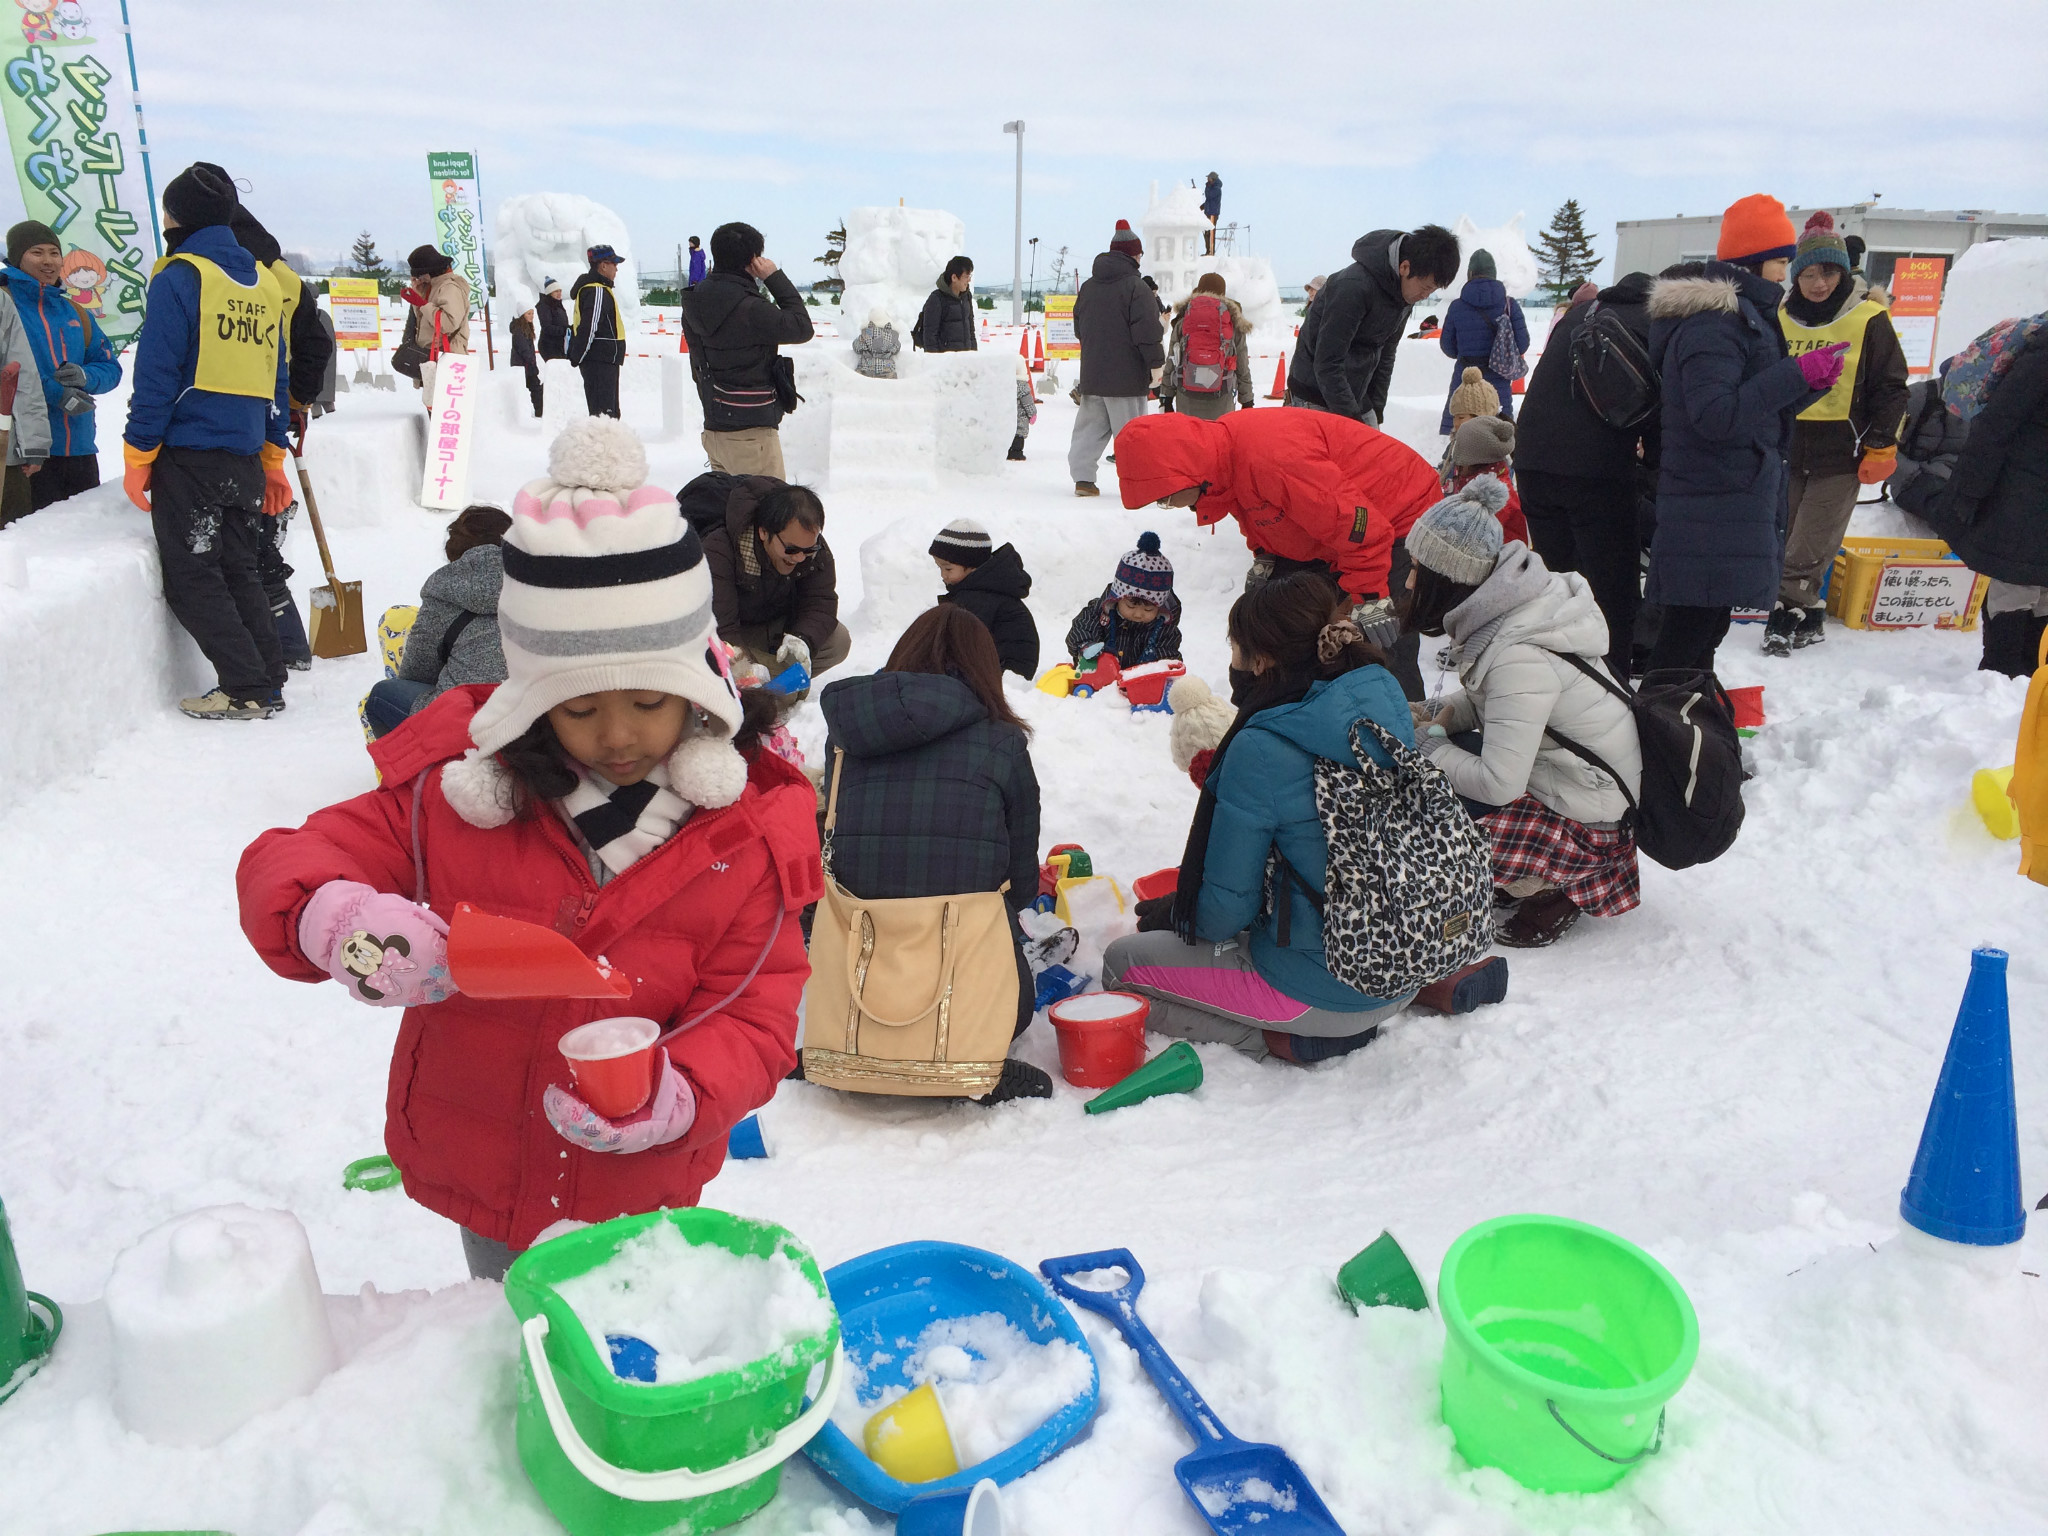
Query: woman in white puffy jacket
pixel 1529 644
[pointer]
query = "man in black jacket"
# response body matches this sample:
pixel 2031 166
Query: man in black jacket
pixel 1344 359
pixel 1582 481
pixel 947 321
pixel 553 319
pixel 598 345
pixel 1116 321
pixel 735 332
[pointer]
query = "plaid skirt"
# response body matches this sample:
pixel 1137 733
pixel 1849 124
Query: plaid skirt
pixel 1595 867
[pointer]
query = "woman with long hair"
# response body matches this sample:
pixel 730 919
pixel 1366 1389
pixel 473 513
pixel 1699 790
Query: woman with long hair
pixel 936 795
pixel 1234 969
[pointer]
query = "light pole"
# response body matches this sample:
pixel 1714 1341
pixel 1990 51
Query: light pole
pixel 1017 263
pixel 1034 264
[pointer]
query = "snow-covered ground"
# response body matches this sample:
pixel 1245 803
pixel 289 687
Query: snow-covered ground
pixel 1733 1076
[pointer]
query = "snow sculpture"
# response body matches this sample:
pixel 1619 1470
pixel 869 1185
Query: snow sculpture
pixel 1998 280
pixel 1512 258
pixel 544 234
pixel 1173 228
pixel 893 258
pixel 216 1317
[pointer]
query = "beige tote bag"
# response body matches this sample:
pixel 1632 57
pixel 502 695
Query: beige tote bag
pixel 912 995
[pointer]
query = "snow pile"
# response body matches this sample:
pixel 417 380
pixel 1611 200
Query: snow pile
pixel 217 1317
pixel 893 258
pixel 544 235
pixel 1513 260
pixel 947 410
pixel 1998 280
pixel 995 1384
pixel 702 1308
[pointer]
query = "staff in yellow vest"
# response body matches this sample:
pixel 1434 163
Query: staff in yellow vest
pixel 1845 440
pixel 205 442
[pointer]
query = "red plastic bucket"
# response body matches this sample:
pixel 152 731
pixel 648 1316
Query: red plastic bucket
pixel 611 1061
pixel 1161 882
pixel 1101 1037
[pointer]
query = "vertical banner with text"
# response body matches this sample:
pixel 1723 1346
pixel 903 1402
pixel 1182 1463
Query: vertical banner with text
pixel 451 423
pixel 1916 307
pixel 458 217
pixel 72 135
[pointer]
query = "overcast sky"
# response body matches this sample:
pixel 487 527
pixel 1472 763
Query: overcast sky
pixel 1324 120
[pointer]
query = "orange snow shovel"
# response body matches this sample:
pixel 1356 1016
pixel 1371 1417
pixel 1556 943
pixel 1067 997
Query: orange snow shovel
pixel 501 957
pixel 337 627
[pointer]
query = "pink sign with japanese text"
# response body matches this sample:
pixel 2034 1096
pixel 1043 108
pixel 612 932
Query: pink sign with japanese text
pixel 450 425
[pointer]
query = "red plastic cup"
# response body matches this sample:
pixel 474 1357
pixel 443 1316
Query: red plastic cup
pixel 1101 1037
pixel 611 1062
pixel 1161 882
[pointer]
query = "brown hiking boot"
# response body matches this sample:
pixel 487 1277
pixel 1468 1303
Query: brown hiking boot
pixel 1539 922
pixel 1085 488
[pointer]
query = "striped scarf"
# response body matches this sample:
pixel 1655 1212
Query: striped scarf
pixel 623 824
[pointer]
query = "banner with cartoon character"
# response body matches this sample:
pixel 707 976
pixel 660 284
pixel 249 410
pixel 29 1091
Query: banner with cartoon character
pixel 74 136
pixel 458 217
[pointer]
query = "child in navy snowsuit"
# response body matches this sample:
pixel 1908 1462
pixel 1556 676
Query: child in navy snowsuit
pixel 1137 617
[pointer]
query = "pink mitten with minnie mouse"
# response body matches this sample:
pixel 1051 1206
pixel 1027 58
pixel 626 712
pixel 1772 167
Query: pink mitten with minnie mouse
pixel 388 952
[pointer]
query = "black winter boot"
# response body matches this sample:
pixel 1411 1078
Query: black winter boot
pixel 1778 631
pixel 1016 453
pixel 1813 628
pixel 2006 649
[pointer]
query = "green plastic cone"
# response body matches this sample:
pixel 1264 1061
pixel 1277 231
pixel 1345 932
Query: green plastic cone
pixel 1177 1069
pixel 1381 1276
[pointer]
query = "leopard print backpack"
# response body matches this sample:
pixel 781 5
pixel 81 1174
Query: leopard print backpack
pixel 1408 898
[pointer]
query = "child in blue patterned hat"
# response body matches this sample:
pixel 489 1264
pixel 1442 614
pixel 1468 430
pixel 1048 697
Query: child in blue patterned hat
pixel 1137 618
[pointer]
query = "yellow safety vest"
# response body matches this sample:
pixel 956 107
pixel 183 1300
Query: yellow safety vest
pixel 241 327
pixel 289 285
pixel 1850 326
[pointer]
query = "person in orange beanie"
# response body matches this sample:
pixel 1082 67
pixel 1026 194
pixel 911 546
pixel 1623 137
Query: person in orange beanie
pixel 1847 439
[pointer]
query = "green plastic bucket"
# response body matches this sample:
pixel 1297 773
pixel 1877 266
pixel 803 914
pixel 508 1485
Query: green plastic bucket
pixel 619 1458
pixel 29 1323
pixel 1562 1344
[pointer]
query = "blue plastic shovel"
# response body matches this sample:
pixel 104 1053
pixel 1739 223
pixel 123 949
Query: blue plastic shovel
pixel 1240 1488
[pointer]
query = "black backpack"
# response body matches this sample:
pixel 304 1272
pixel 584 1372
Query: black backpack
pixel 1611 370
pixel 1691 803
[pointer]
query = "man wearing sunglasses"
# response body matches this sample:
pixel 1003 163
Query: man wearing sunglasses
pixel 774 590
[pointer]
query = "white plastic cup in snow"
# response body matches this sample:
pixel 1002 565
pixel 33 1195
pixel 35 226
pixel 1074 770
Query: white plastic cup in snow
pixel 216 1317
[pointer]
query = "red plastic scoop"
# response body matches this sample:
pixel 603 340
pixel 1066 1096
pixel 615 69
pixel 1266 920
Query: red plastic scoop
pixel 502 957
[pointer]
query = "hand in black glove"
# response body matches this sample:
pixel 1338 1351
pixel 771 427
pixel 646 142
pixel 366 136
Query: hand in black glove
pixel 1155 914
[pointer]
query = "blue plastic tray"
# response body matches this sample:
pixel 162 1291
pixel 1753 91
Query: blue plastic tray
pixel 886 1299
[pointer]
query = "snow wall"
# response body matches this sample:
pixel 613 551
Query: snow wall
pixel 893 257
pixel 544 234
pixel 1999 280
pixel 946 410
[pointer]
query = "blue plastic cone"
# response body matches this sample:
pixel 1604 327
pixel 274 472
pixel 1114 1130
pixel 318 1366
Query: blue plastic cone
pixel 1965 1184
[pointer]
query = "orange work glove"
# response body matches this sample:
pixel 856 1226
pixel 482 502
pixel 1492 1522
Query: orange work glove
pixel 141 464
pixel 1877 465
pixel 277 486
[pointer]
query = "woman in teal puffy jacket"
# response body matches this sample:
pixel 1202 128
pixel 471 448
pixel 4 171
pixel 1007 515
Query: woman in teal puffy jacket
pixel 1229 968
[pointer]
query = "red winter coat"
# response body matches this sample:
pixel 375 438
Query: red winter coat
pixel 1303 485
pixel 463 1117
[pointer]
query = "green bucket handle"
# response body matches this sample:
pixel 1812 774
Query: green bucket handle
pixel 679 1482
pixel 1656 1441
pixel 377 1172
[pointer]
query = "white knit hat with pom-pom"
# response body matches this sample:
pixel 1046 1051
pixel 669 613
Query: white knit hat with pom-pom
pixel 605 588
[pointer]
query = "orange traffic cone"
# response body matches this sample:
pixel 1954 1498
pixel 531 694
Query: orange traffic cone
pixel 1279 381
pixel 683 337
pixel 1024 344
pixel 1038 343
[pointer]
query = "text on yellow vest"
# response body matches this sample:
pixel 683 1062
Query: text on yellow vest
pixel 1850 326
pixel 292 289
pixel 240 329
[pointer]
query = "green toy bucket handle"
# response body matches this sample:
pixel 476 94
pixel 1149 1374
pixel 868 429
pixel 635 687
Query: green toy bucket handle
pixel 42 1337
pixel 377 1172
pixel 681 1482
pixel 1656 1441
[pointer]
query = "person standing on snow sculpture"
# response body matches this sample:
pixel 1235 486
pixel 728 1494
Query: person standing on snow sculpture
pixel 553 318
pixel 597 345
pixel 1116 322
pixel 206 438
pixel 1472 331
pixel 1730 392
pixel 735 331
pixel 774 587
pixel 613 777
pixel 946 323
pixel 1236 954
pixel 1212 210
pixel 1528 644
pixel 1310 490
pixel 1847 439
pixel 74 361
pixel 1344 358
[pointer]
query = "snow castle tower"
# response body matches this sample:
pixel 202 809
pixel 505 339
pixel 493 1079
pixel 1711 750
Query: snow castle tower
pixel 1173 229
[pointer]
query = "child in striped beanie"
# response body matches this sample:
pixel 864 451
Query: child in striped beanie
pixel 1137 617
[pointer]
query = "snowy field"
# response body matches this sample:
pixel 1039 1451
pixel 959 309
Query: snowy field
pixel 1733 1076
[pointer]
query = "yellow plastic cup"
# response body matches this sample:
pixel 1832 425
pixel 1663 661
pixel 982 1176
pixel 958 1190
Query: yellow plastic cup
pixel 910 1439
pixel 1991 793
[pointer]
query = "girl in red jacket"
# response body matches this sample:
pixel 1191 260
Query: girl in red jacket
pixel 600 790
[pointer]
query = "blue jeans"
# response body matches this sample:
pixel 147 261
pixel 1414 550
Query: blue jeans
pixel 389 703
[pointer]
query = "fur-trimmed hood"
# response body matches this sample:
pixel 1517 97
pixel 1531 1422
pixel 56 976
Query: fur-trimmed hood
pixel 1708 287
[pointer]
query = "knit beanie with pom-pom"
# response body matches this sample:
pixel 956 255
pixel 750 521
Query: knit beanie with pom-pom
pixel 606 588
pixel 1460 536
pixel 1145 573
pixel 1819 243
pixel 1126 241
pixel 1474 396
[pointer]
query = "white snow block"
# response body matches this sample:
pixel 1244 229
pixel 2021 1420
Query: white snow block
pixel 883 435
pixel 974 407
pixel 561 396
pixel 216 1317
pixel 1999 280
pixel 680 411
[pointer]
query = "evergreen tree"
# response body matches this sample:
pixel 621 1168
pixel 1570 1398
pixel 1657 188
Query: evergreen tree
pixel 835 247
pixel 363 259
pixel 1565 255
